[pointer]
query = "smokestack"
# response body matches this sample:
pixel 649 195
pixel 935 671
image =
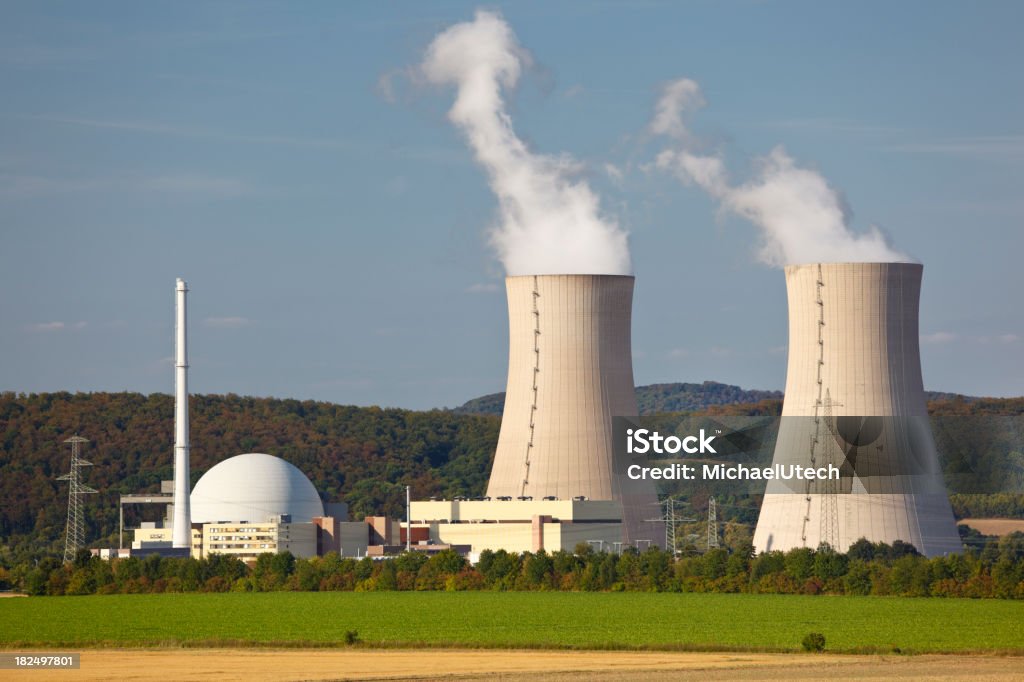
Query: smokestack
pixel 570 371
pixel 855 397
pixel 181 535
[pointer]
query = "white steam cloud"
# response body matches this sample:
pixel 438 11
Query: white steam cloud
pixel 801 217
pixel 550 221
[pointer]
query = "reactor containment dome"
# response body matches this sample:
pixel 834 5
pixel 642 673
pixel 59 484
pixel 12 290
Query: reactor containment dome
pixel 253 488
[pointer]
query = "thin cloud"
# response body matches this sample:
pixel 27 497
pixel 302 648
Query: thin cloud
pixel 938 337
pixel 156 128
pixel 45 327
pixel 55 326
pixel 14 186
pixel 999 338
pixel 482 288
pixel 44 55
pixel 676 353
pixel 985 147
pixel 190 183
pixel 227 322
pixel 389 82
pixel 343 383
pixel 834 125
pixel 614 172
pixel 573 91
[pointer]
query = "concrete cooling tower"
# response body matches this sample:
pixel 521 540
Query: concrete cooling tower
pixel 570 372
pixel 855 399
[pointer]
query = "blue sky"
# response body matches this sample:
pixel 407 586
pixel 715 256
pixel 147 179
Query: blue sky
pixel 333 230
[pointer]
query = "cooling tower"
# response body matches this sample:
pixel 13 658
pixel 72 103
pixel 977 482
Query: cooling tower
pixel 855 399
pixel 570 371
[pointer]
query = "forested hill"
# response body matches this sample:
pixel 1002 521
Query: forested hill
pixel 678 397
pixel 364 456
pixel 361 455
pixel 654 399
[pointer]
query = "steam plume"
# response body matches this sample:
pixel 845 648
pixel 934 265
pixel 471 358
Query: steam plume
pixel 801 217
pixel 549 221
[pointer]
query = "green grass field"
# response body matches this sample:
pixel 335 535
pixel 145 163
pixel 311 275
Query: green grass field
pixel 488 619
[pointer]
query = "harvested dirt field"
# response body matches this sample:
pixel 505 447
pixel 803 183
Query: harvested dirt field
pixel 492 665
pixel 994 526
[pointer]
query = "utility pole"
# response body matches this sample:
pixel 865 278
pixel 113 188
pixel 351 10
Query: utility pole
pixel 74 536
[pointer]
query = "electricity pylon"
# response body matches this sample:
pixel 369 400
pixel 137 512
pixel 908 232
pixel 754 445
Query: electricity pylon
pixel 74 538
pixel 712 525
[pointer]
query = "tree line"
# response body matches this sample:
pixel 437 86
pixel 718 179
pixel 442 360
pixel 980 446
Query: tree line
pixel 995 571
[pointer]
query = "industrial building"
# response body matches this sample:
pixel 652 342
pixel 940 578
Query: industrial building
pixel 519 525
pixel 855 398
pixel 255 503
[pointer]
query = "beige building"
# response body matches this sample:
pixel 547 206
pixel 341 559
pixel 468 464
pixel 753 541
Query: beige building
pixel 570 372
pixel 855 399
pixel 245 541
pixel 521 525
pixel 152 535
pixel 249 505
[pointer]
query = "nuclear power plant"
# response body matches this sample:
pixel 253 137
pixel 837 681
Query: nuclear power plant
pixel 855 398
pixel 556 481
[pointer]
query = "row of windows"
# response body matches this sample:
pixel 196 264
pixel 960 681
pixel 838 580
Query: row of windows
pixel 232 529
pixel 239 538
pixel 246 545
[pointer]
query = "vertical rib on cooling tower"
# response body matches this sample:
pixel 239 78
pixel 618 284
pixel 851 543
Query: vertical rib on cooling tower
pixel 854 352
pixel 570 371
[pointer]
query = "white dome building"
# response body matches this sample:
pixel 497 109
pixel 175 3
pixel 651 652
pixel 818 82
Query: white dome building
pixel 254 488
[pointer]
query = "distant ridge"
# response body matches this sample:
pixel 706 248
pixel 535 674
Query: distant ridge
pixel 678 397
pixel 653 399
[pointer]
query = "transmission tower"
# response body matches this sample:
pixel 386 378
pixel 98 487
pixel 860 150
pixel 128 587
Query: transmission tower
pixel 671 521
pixel 829 532
pixel 75 536
pixel 712 525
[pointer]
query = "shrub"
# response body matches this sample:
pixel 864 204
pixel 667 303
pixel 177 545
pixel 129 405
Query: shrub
pixel 813 641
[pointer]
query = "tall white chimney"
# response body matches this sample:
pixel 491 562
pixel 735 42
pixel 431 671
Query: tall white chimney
pixel 181 535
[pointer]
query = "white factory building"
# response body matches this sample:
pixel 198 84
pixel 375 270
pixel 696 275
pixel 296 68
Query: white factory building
pixel 255 503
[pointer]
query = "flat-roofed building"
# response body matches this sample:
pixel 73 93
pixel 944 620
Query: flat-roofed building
pixel 520 525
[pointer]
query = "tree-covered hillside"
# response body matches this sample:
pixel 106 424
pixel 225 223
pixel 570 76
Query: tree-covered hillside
pixel 363 456
pixel 681 397
pixel 654 399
